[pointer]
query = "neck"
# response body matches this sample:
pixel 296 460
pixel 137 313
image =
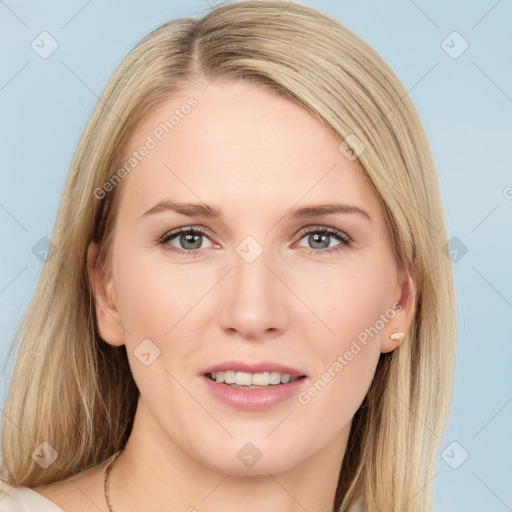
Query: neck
pixel 153 471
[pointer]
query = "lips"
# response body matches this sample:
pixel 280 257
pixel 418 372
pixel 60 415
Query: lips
pixel 261 367
pixel 254 398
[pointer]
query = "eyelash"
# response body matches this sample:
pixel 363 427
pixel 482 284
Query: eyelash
pixel 323 230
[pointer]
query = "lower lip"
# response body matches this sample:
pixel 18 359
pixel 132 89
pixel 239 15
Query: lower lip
pixel 254 399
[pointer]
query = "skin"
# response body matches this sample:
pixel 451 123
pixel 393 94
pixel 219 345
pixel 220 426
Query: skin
pixel 256 156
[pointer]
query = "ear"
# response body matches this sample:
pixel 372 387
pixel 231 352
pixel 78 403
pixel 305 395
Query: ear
pixel 107 317
pixel 404 306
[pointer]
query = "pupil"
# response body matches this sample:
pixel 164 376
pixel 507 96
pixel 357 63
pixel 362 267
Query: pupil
pixel 317 236
pixel 190 238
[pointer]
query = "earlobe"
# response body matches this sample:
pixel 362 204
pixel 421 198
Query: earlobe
pixel 397 329
pixel 102 289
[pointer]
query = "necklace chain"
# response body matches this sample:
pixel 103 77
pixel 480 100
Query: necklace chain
pixel 105 484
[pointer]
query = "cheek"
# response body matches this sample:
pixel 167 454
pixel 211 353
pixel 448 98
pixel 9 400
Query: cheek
pixel 154 306
pixel 354 307
pixel 351 301
pixel 160 303
pixel 151 299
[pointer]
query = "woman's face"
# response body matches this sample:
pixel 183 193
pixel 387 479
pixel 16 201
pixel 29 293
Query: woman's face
pixel 255 281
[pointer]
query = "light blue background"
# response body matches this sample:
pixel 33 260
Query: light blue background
pixel 466 107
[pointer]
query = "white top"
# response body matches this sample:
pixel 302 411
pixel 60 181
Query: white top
pixel 24 499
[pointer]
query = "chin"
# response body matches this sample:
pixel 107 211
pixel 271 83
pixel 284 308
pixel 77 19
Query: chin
pixel 260 468
pixel 249 460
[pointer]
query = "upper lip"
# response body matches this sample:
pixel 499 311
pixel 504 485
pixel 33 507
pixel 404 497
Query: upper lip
pixel 261 367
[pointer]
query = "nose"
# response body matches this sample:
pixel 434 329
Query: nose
pixel 254 300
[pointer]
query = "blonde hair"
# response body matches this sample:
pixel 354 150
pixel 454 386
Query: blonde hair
pixel 76 392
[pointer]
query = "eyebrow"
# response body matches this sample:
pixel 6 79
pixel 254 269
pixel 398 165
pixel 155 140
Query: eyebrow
pixel 210 212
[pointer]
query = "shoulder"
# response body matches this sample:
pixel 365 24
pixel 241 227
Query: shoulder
pixel 80 493
pixel 23 499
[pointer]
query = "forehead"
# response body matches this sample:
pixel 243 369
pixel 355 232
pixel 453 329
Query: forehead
pixel 239 144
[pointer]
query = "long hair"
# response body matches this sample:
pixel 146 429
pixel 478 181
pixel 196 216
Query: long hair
pixel 74 391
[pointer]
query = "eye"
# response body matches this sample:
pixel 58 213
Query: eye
pixel 321 237
pixel 189 240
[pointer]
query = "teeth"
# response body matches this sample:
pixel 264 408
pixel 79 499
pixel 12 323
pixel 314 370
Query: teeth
pixel 252 379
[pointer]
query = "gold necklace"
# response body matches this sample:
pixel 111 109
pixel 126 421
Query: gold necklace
pixel 105 483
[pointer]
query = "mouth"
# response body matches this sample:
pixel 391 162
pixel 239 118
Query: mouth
pixel 245 380
pixel 253 386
